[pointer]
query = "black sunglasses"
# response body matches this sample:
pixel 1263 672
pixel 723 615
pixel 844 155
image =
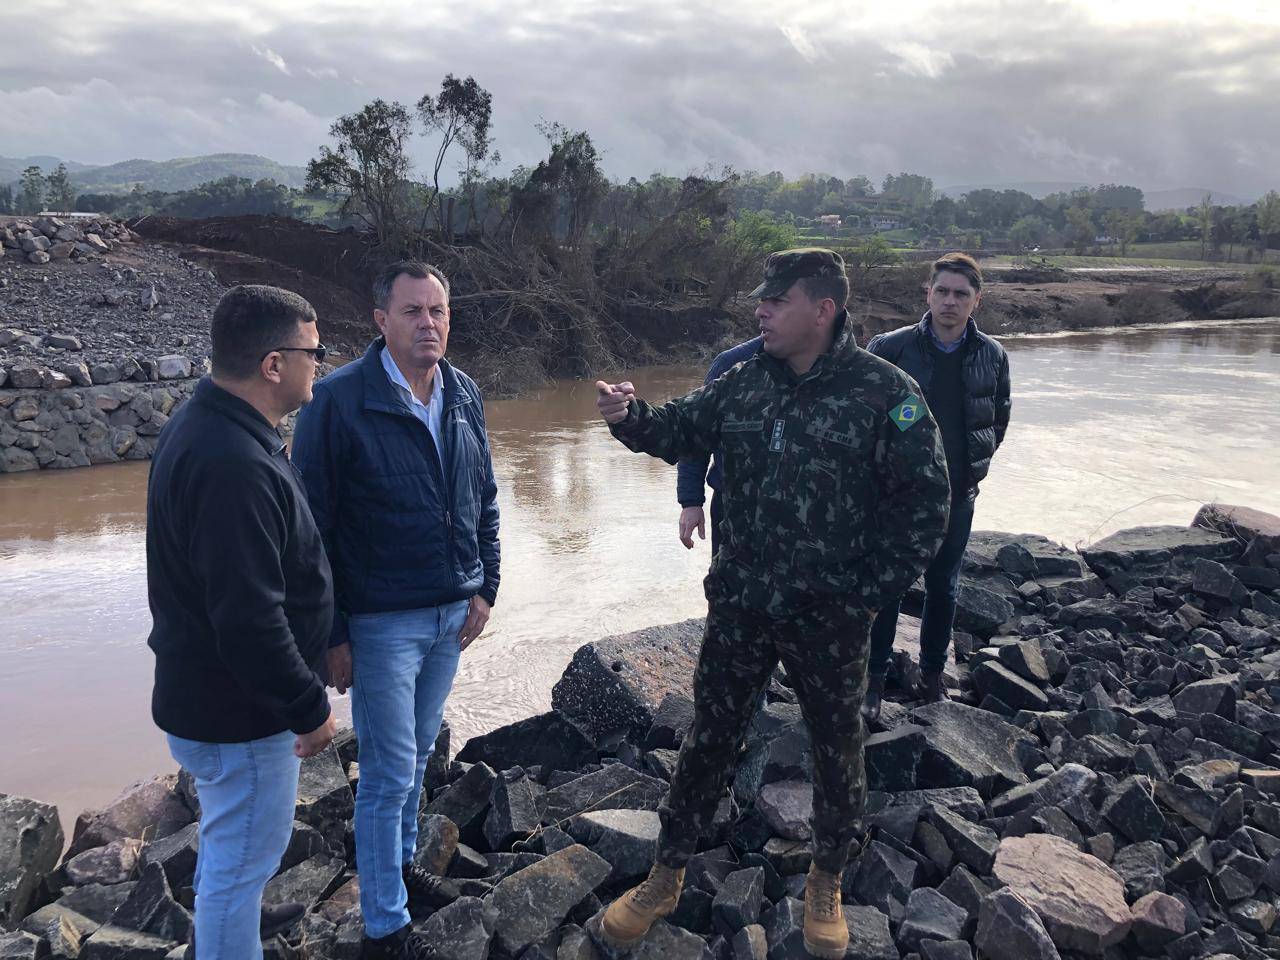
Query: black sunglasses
pixel 319 352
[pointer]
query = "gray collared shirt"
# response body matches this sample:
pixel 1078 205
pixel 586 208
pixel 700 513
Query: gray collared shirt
pixel 430 413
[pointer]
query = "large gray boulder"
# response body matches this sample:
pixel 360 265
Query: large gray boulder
pixel 532 902
pixel 30 842
pixel 614 786
pixel 325 800
pixel 151 808
pixel 627 839
pixel 1255 529
pixel 117 943
pixel 968 747
pixel 151 908
pixel 550 740
pixel 462 930
pixel 111 864
pixel 1008 929
pixel 620 681
pixel 1143 547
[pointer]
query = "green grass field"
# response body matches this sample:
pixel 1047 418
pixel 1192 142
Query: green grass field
pixel 1190 250
pixel 1130 262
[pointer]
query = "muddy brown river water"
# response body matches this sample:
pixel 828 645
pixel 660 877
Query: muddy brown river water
pixel 1110 429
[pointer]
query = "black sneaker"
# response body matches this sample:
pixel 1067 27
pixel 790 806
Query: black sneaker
pixel 427 892
pixel 404 944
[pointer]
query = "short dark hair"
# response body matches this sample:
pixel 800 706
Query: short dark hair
pixel 419 270
pixel 820 288
pixel 960 263
pixel 249 322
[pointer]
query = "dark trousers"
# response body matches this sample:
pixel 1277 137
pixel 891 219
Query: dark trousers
pixel 827 668
pixel 941 586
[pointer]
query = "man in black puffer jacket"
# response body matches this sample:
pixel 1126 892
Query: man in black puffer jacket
pixel 965 378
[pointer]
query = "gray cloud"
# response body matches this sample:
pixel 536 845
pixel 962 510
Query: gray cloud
pixel 976 92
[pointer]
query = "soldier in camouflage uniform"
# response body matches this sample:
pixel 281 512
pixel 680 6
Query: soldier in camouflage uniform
pixel 835 495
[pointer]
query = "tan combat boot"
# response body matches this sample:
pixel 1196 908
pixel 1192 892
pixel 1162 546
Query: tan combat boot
pixel 825 932
pixel 629 917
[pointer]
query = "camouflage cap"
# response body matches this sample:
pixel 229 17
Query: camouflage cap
pixel 785 267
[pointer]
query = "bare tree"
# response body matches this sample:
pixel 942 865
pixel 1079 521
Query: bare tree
pixel 460 114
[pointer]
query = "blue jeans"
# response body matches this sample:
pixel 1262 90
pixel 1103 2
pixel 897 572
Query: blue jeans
pixel 247 794
pixel 941 587
pixel 403 665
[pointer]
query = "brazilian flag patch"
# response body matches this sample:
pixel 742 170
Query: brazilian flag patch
pixel 907 412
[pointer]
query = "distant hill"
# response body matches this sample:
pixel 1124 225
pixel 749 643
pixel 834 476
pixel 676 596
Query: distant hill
pixel 11 167
pixel 1155 200
pixel 183 173
pixel 1183 197
pixel 1038 189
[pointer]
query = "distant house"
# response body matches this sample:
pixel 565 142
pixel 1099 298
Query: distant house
pixel 881 224
pixel 829 220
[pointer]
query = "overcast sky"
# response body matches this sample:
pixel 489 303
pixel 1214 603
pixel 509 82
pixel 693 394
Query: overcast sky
pixel 1158 93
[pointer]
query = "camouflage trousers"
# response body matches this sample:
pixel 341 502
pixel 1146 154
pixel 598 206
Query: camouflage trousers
pixel 827 667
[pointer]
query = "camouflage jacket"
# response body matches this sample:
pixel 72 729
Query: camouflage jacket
pixel 835 483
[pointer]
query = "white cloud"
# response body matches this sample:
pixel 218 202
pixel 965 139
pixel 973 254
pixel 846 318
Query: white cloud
pixel 272 58
pixel 917 60
pixel 800 41
pixel 323 73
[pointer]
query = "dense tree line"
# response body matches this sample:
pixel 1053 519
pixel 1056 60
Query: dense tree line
pixel 366 177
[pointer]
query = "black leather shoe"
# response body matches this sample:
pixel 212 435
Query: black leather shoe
pixel 273 920
pixel 427 892
pixel 404 944
pixel 932 688
pixel 875 696
pixel 279 918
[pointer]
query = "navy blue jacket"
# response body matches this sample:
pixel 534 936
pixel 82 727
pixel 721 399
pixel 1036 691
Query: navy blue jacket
pixel 402 529
pixel 986 385
pixel 691 472
pixel 240 592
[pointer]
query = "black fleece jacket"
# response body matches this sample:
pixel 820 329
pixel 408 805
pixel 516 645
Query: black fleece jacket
pixel 240 589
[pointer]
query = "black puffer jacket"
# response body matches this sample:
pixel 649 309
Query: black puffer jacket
pixel 986 385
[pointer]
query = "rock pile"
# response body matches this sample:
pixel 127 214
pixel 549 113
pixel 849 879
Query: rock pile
pixel 1105 782
pixel 139 314
pixel 43 239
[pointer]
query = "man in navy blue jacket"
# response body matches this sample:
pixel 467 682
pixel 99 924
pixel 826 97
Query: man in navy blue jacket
pixel 692 475
pixel 242 602
pixel 395 457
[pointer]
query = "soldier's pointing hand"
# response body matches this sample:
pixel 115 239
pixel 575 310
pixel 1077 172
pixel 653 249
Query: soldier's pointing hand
pixel 613 399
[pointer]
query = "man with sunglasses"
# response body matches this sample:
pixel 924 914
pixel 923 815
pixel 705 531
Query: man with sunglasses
pixel 396 461
pixel 242 602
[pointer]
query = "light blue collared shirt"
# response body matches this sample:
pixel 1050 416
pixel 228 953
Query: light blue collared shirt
pixel 431 413
pixel 951 347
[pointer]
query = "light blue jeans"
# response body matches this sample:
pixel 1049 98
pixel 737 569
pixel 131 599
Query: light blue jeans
pixel 403 664
pixel 247 794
